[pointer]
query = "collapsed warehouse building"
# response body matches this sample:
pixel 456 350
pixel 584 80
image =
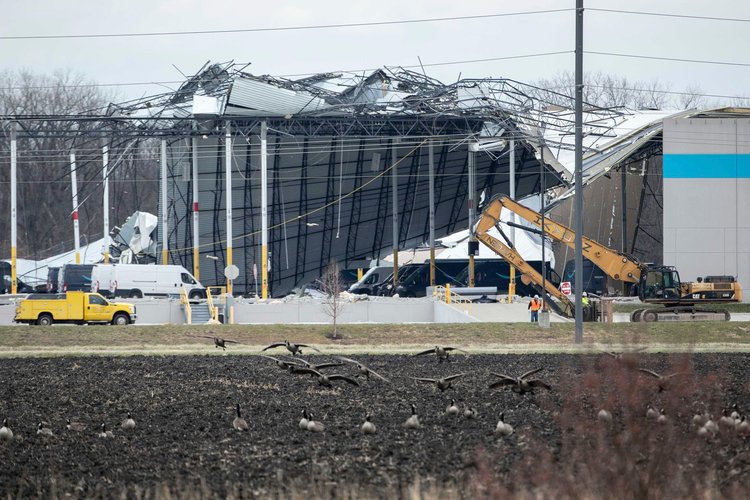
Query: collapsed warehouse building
pixel 339 166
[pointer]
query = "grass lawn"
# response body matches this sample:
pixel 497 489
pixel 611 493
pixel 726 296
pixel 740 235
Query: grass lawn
pixel 476 337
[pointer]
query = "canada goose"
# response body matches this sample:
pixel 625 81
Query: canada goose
pixel 520 384
pixel 74 426
pixel 699 419
pixel 742 426
pixel 304 420
pixel 319 366
pixel 239 423
pixel 735 414
pixel 452 408
pixel 443 384
pixel 663 380
pixel 5 432
pixel 291 347
pixel 43 430
pixel 502 428
pixel 325 380
pixel 725 419
pixel 314 425
pixel 442 353
pixel 219 342
pixel 651 412
pixel 623 355
pixel 128 423
pixel 470 413
pixel 413 421
pixel 368 427
pixel 604 415
pixel 283 364
pixel 363 370
pixel 711 426
pixel 662 418
pixel 105 433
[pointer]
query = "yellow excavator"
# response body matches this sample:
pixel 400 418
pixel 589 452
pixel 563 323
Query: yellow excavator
pixel 656 284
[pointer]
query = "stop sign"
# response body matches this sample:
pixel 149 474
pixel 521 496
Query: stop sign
pixel 565 287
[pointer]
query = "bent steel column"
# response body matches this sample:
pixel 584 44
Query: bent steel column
pixel 264 209
pixel 164 211
pixel 74 188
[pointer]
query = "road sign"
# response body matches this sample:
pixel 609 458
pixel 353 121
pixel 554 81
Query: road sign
pixel 565 287
pixel 231 272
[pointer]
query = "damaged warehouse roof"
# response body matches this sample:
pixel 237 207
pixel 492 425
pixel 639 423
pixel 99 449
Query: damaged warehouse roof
pixel 335 140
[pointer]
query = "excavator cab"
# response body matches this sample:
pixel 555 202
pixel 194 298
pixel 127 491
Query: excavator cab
pixel 660 284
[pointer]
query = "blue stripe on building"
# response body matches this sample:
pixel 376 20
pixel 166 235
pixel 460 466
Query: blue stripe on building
pixel 706 166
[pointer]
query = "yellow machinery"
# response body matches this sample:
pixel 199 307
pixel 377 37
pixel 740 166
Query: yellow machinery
pixel 655 284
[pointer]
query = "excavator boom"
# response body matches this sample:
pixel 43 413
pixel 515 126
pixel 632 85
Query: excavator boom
pixel 486 222
pixel 617 265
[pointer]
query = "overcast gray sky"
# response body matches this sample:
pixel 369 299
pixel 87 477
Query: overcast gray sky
pixel 145 59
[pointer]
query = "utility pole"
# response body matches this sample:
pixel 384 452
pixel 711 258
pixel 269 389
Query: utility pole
pixel 164 208
pixel 74 189
pixel 264 209
pixel 13 208
pixel 228 198
pixel 578 200
pixel 542 188
pixel 105 200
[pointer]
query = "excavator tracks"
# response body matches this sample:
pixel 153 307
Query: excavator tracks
pixel 680 313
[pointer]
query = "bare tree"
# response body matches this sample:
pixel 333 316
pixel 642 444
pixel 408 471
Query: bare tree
pixel 691 97
pixel 44 188
pixel 604 90
pixel 332 285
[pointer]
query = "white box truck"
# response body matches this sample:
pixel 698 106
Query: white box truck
pixel 151 280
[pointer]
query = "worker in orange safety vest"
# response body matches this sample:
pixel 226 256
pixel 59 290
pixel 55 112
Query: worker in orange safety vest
pixel 534 306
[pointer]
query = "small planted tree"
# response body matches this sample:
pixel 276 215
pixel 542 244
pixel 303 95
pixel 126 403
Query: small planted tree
pixel 331 285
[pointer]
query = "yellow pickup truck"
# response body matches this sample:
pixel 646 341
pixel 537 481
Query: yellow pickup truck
pixel 73 307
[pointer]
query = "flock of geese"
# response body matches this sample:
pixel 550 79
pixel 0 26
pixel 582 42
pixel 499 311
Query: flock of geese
pixel 294 364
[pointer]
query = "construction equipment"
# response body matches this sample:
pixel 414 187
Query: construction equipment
pixel 656 284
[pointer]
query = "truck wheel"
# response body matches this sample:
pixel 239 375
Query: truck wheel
pixel 121 319
pixel 136 294
pixel 196 294
pixel 635 316
pixel 650 316
pixel 44 320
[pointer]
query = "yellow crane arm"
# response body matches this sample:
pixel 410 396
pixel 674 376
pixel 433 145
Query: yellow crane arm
pixel 617 265
pixel 513 258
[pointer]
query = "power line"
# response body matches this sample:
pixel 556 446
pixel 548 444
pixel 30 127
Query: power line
pixel 675 59
pixel 665 14
pixel 171 82
pixel 282 28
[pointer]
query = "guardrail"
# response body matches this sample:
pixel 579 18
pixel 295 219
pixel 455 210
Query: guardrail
pixel 186 305
pixel 460 295
pixel 212 309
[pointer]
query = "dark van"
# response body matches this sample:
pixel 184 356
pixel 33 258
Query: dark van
pixel 594 279
pixel 53 279
pixel 446 271
pixel 75 277
pixel 496 272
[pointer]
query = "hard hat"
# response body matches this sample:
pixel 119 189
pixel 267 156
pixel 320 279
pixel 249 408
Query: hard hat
pixel 585 294
pixel 536 296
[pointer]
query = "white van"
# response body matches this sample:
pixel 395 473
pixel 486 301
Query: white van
pixel 373 276
pixel 144 280
pixel 101 277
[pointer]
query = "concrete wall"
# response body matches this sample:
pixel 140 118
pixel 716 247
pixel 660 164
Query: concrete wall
pixel 707 197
